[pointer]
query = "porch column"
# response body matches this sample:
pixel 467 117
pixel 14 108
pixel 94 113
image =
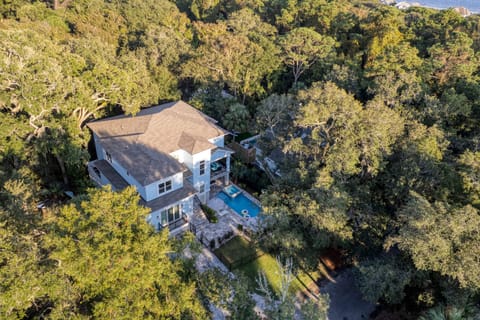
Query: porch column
pixel 227 178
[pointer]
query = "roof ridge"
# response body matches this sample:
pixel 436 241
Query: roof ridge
pixel 205 116
pixel 186 145
pixel 149 122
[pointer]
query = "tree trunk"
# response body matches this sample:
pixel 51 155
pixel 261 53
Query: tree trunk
pixel 295 78
pixel 61 163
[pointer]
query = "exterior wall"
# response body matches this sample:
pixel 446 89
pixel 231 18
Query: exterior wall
pixel 205 178
pixel 218 141
pixel 188 158
pixel 150 192
pixel 187 206
pixel 181 155
pixel 98 147
pixel 101 180
pixel 152 189
pixel 187 209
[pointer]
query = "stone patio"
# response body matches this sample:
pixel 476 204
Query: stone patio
pixel 213 235
pixel 218 234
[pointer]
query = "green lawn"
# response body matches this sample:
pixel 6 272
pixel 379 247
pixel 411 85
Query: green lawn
pixel 236 251
pixel 239 249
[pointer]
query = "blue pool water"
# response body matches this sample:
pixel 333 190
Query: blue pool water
pixel 232 191
pixel 240 203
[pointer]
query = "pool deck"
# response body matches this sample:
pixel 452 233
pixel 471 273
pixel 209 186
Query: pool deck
pixel 222 209
pixel 228 221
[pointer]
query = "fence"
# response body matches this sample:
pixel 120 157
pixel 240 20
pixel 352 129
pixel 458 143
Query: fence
pixel 232 264
pixel 246 155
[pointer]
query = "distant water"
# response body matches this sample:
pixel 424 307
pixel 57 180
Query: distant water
pixel 472 5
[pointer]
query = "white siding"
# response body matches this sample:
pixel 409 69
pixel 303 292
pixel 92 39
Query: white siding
pixel 150 192
pixel 152 189
pixel 188 158
pixel 98 147
pixel 205 178
pixel 99 179
pixel 187 208
pixel 183 157
pixel 218 141
pixel 180 155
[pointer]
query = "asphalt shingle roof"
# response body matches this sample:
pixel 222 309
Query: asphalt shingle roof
pixel 142 143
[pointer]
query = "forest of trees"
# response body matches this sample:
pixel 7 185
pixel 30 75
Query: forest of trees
pixel 376 110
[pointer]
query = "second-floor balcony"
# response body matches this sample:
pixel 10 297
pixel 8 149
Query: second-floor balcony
pixel 218 169
pixel 220 153
pixel 177 223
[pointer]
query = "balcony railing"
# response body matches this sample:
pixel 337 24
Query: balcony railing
pixel 177 224
pixel 218 173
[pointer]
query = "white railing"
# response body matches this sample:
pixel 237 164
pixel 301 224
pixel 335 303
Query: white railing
pixel 217 174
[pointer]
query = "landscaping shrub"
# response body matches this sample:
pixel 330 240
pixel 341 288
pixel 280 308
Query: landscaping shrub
pixel 226 236
pixel 210 213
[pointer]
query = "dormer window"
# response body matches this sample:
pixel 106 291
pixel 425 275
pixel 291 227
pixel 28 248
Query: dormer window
pixel 202 167
pixel 108 156
pixel 165 186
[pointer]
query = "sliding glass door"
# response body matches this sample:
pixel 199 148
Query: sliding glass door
pixel 170 215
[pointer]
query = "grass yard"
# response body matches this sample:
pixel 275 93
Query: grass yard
pixel 239 250
pixel 268 265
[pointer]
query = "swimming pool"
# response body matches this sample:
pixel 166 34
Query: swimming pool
pixel 232 191
pixel 240 203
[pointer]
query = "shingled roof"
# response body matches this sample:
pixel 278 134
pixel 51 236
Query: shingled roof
pixel 142 143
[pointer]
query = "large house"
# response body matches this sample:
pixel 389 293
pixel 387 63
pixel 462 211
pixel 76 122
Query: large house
pixel 170 153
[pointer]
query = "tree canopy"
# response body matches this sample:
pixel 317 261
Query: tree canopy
pixel 370 113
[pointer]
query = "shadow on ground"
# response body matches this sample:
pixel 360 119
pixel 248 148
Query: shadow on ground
pixel 346 302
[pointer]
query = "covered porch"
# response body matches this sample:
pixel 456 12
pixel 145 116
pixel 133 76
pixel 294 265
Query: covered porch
pixel 220 166
pixel 173 210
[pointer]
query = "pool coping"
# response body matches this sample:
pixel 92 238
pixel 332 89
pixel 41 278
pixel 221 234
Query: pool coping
pixel 232 195
pixel 249 196
pixel 250 222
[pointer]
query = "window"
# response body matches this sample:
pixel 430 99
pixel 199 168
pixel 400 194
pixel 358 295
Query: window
pixel 202 167
pixel 164 219
pixel 173 213
pixel 202 188
pixel 169 215
pixel 108 156
pixel 165 186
